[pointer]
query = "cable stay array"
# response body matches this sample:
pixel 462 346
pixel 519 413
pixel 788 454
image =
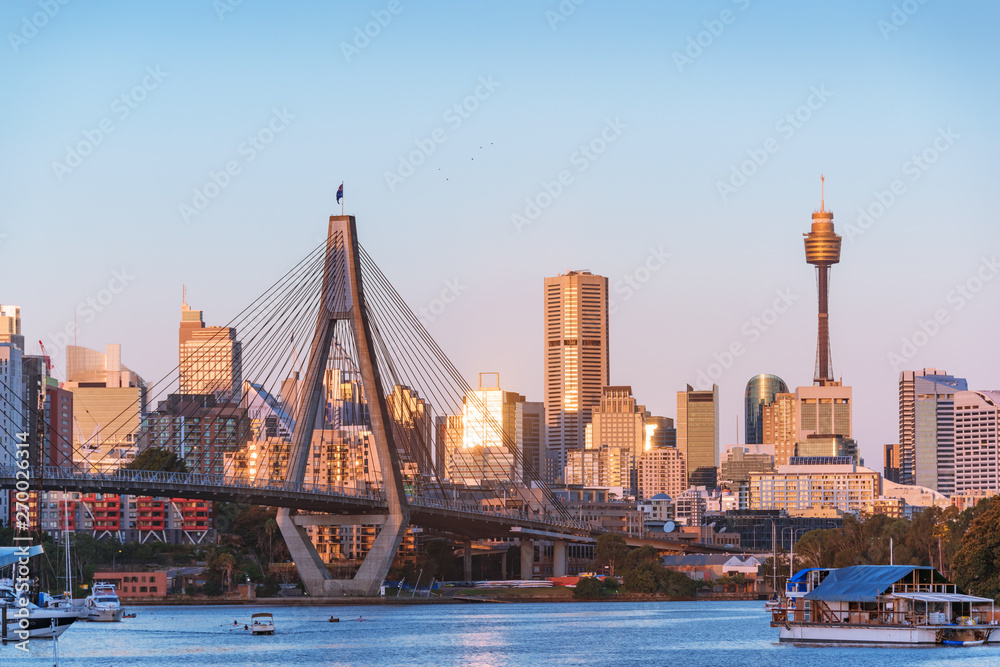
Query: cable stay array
pixel 213 426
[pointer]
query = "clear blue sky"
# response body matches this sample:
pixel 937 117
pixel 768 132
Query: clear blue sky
pixel 884 95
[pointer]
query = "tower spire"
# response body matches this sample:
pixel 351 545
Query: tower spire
pixel 822 183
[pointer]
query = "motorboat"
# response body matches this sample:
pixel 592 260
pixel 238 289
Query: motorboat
pixel 103 604
pixel 883 604
pixel 262 624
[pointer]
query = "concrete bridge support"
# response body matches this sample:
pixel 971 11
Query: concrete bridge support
pixel 527 559
pixel 467 560
pixel 559 560
pixel 343 299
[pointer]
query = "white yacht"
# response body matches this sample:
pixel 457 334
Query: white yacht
pixel 103 604
pixel 40 623
pixel 19 618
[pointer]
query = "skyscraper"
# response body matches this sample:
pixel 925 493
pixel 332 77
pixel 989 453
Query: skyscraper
pixel 977 432
pixel 761 390
pixel 927 428
pixel 698 434
pixel 576 359
pixel 211 358
pixel 108 401
pixel 823 251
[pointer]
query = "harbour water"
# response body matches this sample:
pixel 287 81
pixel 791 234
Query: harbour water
pixel 478 635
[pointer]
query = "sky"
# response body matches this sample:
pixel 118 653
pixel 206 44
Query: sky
pixel 675 148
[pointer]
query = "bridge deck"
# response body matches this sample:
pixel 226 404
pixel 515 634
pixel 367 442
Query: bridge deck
pixel 465 519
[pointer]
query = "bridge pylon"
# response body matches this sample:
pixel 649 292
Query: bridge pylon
pixel 343 300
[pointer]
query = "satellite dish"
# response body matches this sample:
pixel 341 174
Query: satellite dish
pixel 711 525
pixel 668 527
pixel 722 530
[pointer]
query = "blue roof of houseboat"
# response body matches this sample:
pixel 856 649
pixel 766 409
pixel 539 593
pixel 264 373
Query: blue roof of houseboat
pixel 801 574
pixel 860 583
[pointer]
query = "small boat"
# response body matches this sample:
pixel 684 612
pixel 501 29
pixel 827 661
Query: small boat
pixel 881 604
pixel 128 615
pixel 103 604
pixel 262 624
pixel 334 620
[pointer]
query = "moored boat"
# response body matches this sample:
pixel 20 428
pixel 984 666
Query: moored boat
pixel 883 604
pixel 103 604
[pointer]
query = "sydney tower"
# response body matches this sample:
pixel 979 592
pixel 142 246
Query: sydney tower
pixel 823 251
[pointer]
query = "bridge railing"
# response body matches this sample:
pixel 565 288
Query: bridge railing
pixel 154 479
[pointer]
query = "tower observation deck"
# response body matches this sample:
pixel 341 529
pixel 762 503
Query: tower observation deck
pixel 823 251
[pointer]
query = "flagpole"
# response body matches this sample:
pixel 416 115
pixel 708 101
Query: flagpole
pixel 341 202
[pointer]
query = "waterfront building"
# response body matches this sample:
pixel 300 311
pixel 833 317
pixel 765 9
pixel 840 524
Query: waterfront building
pixel 760 392
pixel 927 429
pixel 211 358
pixel 977 441
pixel 575 356
pixel 698 434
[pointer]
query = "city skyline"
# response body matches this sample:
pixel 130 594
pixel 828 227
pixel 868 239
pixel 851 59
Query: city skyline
pixel 690 264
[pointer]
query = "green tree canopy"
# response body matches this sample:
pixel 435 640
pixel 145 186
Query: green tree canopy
pixel 158 458
pixel 611 550
pixel 976 565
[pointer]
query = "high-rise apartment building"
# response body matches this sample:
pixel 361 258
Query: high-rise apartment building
pixel 13 424
pixel 780 427
pixel 211 358
pixel 10 326
pixel 698 434
pixel 662 470
pixel 977 441
pixel 576 358
pixel 926 428
pixel 760 392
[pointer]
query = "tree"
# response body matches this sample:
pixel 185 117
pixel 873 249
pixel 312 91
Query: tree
pixel 976 566
pixel 158 458
pixel 611 551
pixel 589 588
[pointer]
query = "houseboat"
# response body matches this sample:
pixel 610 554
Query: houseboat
pixel 881 604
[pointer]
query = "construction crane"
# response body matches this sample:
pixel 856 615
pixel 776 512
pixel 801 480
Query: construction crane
pixel 47 357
